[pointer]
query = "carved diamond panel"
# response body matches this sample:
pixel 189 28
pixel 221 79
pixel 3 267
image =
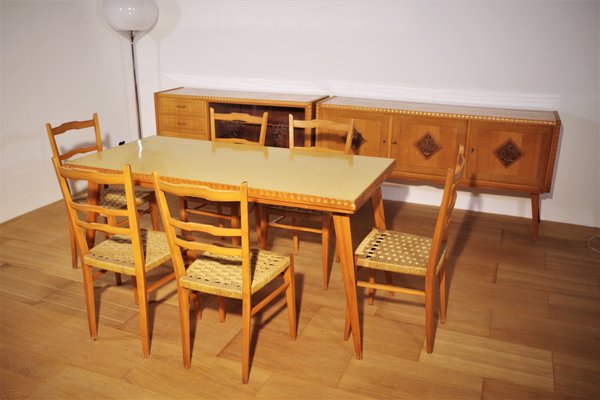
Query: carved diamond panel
pixel 508 153
pixel 357 139
pixel 427 145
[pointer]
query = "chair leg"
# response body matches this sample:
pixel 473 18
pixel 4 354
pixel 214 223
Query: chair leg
pixel 195 298
pixel 221 308
pixel 325 236
pixel 246 321
pixel 73 244
pixel 88 288
pixel 113 222
pixel 443 303
pixel 142 296
pixel 135 290
pixel 154 212
pixel 429 313
pixel 184 318
pixel 290 297
pixel 371 294
pixel 347 325
pixel 220 211
pixel 295 238
pixel 263 216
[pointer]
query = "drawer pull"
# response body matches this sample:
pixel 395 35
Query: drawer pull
pixel 395 142
pixel 181 123
pixel 180 106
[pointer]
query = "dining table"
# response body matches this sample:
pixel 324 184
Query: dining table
pixel 329 182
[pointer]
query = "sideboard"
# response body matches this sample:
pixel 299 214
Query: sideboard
pixel 507 150
pixel 184 112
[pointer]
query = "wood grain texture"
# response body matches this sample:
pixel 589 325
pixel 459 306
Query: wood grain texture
pixel 523 323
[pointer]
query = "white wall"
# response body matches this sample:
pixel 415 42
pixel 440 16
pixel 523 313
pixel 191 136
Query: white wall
pixel 539 55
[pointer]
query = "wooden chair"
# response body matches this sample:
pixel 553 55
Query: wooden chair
pixel 235 272
pixel 405 253
pixel 128 249
pixel 199 208
pixel 241 118
pixel 295 219
pixel 109 197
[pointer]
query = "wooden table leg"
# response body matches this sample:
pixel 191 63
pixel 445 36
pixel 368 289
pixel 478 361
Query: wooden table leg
pixel 378 214
pixel 535 215
pixel 344 246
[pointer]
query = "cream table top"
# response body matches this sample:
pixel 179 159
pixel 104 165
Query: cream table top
pixel 329 182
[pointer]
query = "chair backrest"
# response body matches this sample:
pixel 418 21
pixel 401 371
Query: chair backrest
pixel 242 118
pixel 440 235
pixel 74 126
pixel 325 128
pixel 78 211
pixel 174 225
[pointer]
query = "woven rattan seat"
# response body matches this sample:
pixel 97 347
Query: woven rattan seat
pixel 236 271
pixel 116 253
pixel 399 252
pixel 396 252
pixel 222 275
pixel 296 219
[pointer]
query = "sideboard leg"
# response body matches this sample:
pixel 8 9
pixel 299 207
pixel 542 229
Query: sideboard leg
pixel 535 215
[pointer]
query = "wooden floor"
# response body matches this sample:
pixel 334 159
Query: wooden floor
pixel 523 323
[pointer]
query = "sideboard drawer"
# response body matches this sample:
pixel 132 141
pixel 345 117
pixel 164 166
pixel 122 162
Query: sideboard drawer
pixel 181 106
pixel 184 125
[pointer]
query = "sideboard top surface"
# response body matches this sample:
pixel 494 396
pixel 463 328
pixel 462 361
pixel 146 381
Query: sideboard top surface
pixel 228 95
pixel 441 110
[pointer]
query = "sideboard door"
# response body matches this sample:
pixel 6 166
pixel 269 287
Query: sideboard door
pixel 506 155
pixel 426 146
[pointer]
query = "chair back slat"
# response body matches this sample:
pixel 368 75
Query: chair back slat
pixel 72 128
pixel 109 229
pixel 208 248
pixel 174 227
pixel 206 228
pixel 204 192
pixel 92 208
pixel 80 213
pixel 239 117
pixel 325 129
pixel 440 235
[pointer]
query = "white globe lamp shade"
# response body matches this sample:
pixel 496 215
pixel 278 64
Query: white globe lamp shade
pixel 130 15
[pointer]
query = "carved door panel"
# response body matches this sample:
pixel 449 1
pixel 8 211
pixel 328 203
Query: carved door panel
pixel 504 154
pixel 371 131
pixel 426 146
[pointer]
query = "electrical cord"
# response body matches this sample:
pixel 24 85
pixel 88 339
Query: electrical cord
pixel 591 246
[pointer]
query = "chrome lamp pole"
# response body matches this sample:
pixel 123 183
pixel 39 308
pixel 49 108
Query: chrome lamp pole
pixel 131 18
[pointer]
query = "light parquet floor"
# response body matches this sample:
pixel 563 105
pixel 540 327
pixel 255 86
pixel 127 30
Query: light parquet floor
pixel 523 322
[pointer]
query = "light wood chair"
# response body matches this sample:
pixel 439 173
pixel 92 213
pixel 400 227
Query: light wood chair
pixel 200 208
pixel 109 197
pixel 297 219
pixel 225 271
pixel 240 118
pixel 128 249
pixel 405 253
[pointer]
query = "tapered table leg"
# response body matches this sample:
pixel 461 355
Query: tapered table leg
pixel 344 246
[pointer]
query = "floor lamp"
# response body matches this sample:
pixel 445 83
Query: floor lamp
pixel 132 18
